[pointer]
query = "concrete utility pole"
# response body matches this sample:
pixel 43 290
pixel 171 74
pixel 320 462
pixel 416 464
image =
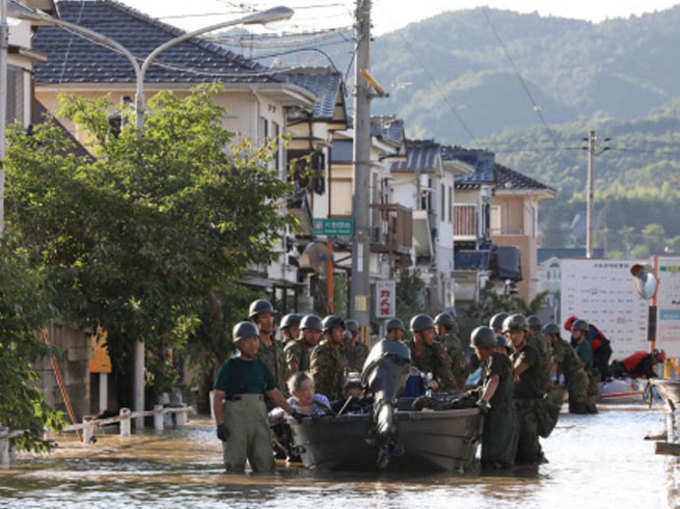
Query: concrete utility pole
pixel 4 46
pixel 360 290
pixel 590 195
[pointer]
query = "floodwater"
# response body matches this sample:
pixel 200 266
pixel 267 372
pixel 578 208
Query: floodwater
pixel 595 461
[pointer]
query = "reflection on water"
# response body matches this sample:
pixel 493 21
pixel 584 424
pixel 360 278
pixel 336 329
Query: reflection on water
pixel 595 461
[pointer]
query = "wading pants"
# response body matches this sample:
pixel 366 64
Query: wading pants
pixel 528 448
pixel 245 416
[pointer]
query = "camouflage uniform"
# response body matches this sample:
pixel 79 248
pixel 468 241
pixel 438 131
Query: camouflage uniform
pixel 577 380
pixel 294 351
pixel 459 367
pixel 273 358
pixel 355 356
pixel 544 363
pixel 327 368
pixel 435 360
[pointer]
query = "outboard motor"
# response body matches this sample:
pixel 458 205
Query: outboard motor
pixel 383 374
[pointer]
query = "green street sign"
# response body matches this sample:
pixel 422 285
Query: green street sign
pixel 333 227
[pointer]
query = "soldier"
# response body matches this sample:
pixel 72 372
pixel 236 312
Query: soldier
pixel 262 313
pixel 290 327
pixel 355 351
pixel 326 363
pixel 496 322
pixel 240 412
pixel 395 330
pixel 501 428
pixel 536 339
pixel 526 393
pixel 599 344
pixel 566 361
pixel 447 330
pixel 579 330
pixel 297 353
pixel 428 355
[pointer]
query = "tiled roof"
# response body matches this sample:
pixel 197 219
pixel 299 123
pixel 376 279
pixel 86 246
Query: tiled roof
pixel 72 59
pixel 421 155
pixel 325 83
pixel 481 160
pixel 508 180
pixel 388 128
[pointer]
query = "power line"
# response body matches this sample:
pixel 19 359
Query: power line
pixel 537 109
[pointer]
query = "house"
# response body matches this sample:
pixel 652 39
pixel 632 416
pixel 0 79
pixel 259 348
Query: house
pixel 258 101
pixel 495 227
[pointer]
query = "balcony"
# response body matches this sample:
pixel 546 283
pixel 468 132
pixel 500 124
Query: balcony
pixel 392 229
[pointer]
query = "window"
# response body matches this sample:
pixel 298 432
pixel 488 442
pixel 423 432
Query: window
pixel 262 130
pixel 442 190
pixel 16 92
pixel 341 197
pixel 450 204
pixel 276 131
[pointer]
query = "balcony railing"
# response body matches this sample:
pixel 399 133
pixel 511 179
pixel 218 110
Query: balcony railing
pixel 392 229
pixel 465 216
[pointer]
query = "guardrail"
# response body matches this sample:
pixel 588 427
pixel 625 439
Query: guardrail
pixel 89 425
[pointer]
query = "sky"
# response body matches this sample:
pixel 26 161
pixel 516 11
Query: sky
pixel 387 15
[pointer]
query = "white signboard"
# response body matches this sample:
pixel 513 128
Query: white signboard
pixel 668 305
pixel 602 293
pixel 385 299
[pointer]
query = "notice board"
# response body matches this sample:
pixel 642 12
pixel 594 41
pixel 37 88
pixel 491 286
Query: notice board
pixel 668 304
pixel 602 293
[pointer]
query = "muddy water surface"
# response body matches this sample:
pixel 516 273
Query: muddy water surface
pixel 595 461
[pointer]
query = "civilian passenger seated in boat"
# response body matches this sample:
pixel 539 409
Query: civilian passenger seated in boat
pixel 354 390
pixel 304 399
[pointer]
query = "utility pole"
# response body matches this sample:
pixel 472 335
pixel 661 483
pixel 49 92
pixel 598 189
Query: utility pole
pixel 360 289
pixel 590 189
pixel 589 195
pixel 4 46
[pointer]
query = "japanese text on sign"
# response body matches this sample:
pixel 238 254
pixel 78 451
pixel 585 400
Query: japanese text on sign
pixel 385 299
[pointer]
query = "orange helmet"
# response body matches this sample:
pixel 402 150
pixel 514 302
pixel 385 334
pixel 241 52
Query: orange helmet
pixel 570 321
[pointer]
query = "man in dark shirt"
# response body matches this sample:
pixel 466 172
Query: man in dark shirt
pixel 240 412
pixel 526 392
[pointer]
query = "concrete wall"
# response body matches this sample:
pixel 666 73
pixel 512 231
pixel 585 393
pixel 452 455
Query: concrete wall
pixel 74 365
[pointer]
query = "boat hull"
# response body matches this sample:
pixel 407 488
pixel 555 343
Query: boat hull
pixel 443 440
pixel 669 390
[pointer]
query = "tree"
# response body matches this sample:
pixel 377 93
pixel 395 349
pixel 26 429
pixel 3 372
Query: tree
pixel 136 237
pixel 24 310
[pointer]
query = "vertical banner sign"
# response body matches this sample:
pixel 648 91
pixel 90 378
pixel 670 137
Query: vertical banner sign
pixel 602 293
pixel 385 299
pixel 668 305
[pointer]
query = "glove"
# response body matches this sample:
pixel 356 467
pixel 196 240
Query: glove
pixel 298 416
pixel 484 406
pixel 222 432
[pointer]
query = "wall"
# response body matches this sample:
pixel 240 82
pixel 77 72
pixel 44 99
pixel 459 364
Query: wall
pixel 74 364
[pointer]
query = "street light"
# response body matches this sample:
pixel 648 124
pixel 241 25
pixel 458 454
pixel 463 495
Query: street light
pixel 258 18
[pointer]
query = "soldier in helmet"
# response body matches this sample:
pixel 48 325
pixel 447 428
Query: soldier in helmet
pixel 579 339
pixel 428 355
pixel 447 331
pixel 536 339
pixel 501 428
pixel 395 330
pixel 240 412
pixel 355 351
pixel 566 361
pixel 496 322
pixel 326 364
pixel 526 392
pixel 290 327
pixel 262 313
pixel 297 353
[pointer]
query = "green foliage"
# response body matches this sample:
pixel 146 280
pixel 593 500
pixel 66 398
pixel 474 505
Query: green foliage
pixel 410 298
pixel 340 291
pixel 136 238
pixel 24 310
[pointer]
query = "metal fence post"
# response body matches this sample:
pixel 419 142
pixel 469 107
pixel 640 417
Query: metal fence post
pixel 124 422
pixel 4 449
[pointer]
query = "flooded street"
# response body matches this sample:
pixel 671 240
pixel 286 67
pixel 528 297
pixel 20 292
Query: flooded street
pixel 595 461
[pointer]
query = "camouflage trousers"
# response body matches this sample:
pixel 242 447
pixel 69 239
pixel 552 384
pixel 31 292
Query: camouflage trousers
pixel 528 447
pixel 580 398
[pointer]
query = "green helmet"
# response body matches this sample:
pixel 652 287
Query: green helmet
pixel 534 322
pixel 244 330
pixel 581 325
pixel 496 322
pixel 448 321
pixel 291 320
pixel 332 321
pixel 395 323
pixel 515 322
pixel 352 326
pixel 311 322
pixel 260 306
pixel 551 328
pixel 421 322
pixel 483 337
